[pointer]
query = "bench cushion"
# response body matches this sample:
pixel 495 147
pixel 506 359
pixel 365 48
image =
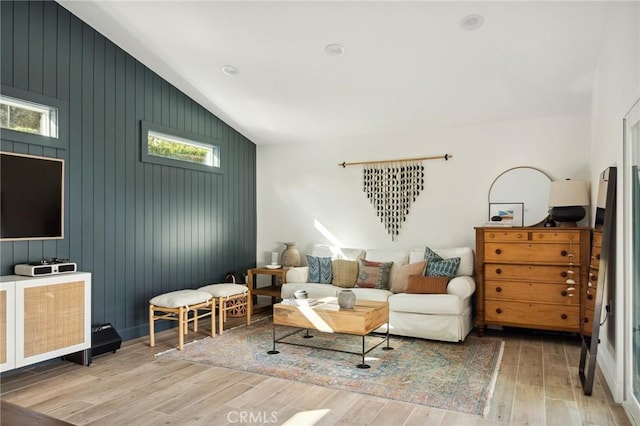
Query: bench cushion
pixel 224 290
pixel 178 298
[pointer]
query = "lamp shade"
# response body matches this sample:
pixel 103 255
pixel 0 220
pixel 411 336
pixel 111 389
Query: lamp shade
pixel 565 193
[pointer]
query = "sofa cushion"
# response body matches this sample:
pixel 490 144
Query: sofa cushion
pixel 345 273
pixel 373 274
pixel 319 269
pixel 314 290
pixel 401 280
pixel 427 285
pixel 438 266
pixel 428 304
pixel 375 294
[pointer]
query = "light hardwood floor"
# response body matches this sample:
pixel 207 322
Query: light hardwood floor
pixel 537 385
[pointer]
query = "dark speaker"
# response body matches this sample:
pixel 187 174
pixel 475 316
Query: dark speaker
pixel 104 338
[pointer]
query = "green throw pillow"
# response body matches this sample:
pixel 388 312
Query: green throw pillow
pixel 439 267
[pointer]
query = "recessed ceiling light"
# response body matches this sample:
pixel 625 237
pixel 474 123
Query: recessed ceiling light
pixel 334 50
pixel 230 70
pixel 471 22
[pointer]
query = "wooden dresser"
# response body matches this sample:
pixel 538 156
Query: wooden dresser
pixel 522 274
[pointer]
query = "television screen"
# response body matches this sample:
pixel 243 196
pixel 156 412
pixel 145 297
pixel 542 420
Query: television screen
pixel 31 197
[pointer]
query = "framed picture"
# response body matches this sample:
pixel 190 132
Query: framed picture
pixel 512 212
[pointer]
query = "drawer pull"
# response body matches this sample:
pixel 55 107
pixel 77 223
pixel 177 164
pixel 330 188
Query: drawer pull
pixel 498 289
pixel 598 256
pixel 563 316
pixel 498 271
pixel 564 293
pixel 586 320
pixel 563 274
pixel 498 251
pixel 563 253
pixel 498 311
pixel 590 296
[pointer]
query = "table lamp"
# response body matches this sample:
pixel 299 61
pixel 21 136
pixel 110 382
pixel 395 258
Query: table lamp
pixel 567 199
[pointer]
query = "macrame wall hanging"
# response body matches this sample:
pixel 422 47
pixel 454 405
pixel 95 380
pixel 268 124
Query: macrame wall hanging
pixel 392 186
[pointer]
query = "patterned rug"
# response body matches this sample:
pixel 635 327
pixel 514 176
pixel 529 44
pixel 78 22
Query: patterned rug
pixel 451 376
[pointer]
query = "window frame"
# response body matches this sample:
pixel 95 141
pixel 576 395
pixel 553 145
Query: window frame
pixel 180 136
pixel 61 142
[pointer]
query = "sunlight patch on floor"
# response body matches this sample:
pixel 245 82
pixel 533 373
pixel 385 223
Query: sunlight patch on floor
pixel 310 417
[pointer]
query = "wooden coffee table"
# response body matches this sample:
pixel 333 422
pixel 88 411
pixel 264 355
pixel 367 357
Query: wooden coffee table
pixel 326 316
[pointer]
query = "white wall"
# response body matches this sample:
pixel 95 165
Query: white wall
pixel 302 185
pixel 615 89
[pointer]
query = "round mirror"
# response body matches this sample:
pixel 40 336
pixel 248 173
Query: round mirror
pixel 521 194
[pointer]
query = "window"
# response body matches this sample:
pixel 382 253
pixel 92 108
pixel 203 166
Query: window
pixel 177 148
pixel 169 146
pixel 28 117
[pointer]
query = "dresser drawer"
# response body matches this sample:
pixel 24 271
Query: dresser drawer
pixel 523 291
pixel 556 236
pixel 528 272
pixel 587 325
pixel 532 314
pixel 532 252
pixel 494 235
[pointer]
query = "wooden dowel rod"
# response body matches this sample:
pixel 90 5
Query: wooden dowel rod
pixel 438 157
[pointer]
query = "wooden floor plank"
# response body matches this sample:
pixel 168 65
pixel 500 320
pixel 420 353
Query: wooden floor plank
pixel 562 412
pixel 501 403
pixel 528 406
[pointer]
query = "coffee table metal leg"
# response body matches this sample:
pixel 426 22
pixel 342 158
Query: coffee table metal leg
pixel 273 351
pixel 307 335
pixel 363 365
pixel 387 348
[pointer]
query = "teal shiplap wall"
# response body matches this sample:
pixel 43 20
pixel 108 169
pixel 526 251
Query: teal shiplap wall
pixel 140 229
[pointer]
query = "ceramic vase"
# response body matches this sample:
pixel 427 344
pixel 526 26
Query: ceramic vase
pixel 290 255
pixel 346 299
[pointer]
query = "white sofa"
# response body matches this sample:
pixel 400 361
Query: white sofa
pixel 446 317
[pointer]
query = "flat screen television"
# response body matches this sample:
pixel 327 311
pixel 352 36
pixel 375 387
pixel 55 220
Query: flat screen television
pixel 31 197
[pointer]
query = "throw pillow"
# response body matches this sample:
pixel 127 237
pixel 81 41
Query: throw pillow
pixel 319 269
pixel 345 273
pixel 427 285
pixel 401 281
pixel 439 267
pixel 373 274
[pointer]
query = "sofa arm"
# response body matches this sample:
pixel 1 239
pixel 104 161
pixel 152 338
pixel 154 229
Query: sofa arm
pixel 462 287
pixel 298 275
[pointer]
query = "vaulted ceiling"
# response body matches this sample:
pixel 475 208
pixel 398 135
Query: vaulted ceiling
pixel 408 67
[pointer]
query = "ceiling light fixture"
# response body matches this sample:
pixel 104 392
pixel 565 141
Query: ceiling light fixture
pixel 471 22
pixel 334 50
pixel 230 70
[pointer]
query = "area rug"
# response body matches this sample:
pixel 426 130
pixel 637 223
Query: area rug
pixel 450 376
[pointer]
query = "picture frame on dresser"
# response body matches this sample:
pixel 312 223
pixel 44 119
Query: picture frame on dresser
pixel 513 212
pixel 602 279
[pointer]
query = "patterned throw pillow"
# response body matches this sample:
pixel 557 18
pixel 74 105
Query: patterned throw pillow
pixel 373 274
pixel 439 267
pixel 319 269
pixel 427 285
pixel 345 273
pixel 401 280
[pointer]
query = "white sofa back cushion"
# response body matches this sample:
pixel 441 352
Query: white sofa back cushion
pixel 334 252
pixel 464 253
pixel 398 257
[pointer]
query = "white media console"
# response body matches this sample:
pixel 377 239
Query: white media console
pixel 43 317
